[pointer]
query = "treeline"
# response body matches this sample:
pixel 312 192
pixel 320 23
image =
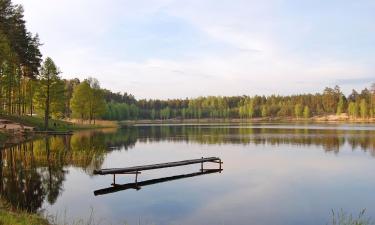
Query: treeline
pixel 330 101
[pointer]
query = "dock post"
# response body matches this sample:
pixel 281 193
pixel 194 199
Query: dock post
pixel 202 166
pixel 114 179
pixel 136 176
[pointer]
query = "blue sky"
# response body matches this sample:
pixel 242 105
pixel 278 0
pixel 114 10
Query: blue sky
pixel 176 48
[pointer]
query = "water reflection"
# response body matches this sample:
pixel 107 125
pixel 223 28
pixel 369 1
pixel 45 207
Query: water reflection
pixel 330 139
pixel 34 172
pixel 140 184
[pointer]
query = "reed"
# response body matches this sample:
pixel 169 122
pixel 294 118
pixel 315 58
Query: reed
pixel 343 218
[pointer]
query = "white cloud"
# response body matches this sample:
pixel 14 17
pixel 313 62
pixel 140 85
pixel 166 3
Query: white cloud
pixel 260 58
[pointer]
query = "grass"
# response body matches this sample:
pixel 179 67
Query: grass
pixel 16 218
pixel 9 216
pixel 54 125
pixel 64 220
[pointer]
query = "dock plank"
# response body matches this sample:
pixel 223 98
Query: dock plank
pixel 140 184
pixel 155 166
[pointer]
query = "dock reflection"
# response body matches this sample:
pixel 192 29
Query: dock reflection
pixel 138 185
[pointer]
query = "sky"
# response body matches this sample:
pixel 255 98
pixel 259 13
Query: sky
pixel 189 48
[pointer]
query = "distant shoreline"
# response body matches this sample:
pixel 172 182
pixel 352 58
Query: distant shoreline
pixel 317 119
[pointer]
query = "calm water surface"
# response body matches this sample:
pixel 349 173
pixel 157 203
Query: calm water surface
pixel 273 174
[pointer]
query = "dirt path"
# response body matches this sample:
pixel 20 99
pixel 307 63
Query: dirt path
pixel 12 127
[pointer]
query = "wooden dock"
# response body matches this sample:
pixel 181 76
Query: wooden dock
pixel 54 132
pixel 137 169
pixel 156 166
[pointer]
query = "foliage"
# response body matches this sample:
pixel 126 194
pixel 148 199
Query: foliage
pixel 341 105
pixel 79 100
pixel 306 112
pixel 20 59
pixel 49 97
pixel 298 110
pixel 331 101
pixel 87 101
pixel 363 108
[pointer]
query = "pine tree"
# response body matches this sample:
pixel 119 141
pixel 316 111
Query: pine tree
pixel 298 110
pixel 49 98
pixel 340 106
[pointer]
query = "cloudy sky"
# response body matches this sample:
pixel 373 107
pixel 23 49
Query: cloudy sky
pixel 177 48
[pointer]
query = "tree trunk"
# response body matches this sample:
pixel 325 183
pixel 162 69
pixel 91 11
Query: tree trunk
pixel 19 94
pixel 31 107
pixel 10 95
pixel 46 112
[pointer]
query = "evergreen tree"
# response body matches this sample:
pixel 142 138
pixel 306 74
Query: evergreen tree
pixel 298 110
pixel 50 91
pixel 340 106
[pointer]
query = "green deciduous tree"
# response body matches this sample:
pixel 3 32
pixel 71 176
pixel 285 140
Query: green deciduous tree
pixel 306 112
pixel 363 108
pixel 353 109
pixel 87 101
pixel 96 101
pixel 79 101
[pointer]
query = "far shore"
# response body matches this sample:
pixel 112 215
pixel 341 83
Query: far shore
pixel 316 119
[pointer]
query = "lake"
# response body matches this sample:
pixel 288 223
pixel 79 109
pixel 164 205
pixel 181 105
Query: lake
pixel 273 173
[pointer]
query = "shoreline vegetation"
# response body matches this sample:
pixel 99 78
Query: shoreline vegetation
pixel 11 216
pixel 316 119
pixel 16 134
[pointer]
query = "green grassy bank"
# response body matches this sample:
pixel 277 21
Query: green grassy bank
pixel 9 216
pixel 53 125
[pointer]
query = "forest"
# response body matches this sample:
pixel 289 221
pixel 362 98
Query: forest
pixel 330 101
pixel 30 86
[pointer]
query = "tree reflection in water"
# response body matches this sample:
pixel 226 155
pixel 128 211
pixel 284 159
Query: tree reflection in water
pixel 331 140
pixel 34 172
